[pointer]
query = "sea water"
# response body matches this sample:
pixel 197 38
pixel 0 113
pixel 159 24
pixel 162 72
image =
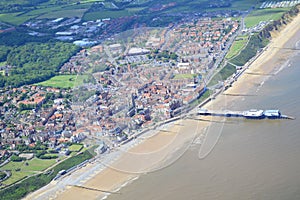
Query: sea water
pixel 253 159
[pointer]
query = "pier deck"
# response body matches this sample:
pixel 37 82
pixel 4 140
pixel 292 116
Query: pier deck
pixel 250 114
pixel 225 113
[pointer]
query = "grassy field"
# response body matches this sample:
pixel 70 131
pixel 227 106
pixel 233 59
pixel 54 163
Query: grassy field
pixel 90 1
pixel 35 182
pixel 16 176
pixel 14 18
pixel 75 147
pixel 237 46
pixel 184 76
pixel 49 9
pixel 21 17
pixel 203 5
pixel 34 164
pixel 75 8
pixel 64 13
pixel 223 74
pixel 105 14
pixel 64 81
pixel 264 15
pixel 20 170
pixel 242 5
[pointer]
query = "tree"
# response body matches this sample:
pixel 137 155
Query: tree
pixel 35 62
pixel 16 158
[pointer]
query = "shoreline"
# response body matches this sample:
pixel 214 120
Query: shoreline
pixel 161 145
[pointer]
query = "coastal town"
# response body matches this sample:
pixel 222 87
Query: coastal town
pixel 118 86
pixel 154 85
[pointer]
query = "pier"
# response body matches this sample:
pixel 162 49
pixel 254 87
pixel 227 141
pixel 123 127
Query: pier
pixel 249 114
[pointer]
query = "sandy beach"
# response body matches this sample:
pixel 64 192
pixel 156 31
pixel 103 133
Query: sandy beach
pixel 164 148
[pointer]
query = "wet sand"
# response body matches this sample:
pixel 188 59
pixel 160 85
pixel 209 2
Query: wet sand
pixel 153 154
pixel 167 145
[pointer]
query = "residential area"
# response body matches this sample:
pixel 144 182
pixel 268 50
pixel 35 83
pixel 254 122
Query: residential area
pixel 137 84
pixel 123 85
pixel 84 81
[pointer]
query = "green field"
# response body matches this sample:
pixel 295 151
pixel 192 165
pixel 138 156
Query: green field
pixel 243 4
pixel 14 18
pixel 90 1
pixel 64 81
pixel 204 5
pixel 35 182
pixel 223 74
pixel 105 14
pixel 34 164
pixel 20 170
pixel 203 97
pixel 49 9
pixel 75 147
pixel 64 13
pixel 264 15
pixel 237 46
pixel 17 176
pixel 41 11
pixel 75 8
pixel 184 76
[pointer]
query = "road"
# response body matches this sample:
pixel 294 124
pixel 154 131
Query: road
pixel 215 69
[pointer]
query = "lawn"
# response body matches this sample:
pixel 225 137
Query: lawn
pixel 264 15
pixel 12 166
pixel 16 176
pixel 184 76
pixel 64 81
pixel 236 47
pixel 75 147
pixel 34 165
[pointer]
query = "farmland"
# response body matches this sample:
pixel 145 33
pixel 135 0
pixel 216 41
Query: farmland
pixel 49 9
pixel 105 14
pixel 18 12
pixel 14 18
pixel 263 15
pixel 64 13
